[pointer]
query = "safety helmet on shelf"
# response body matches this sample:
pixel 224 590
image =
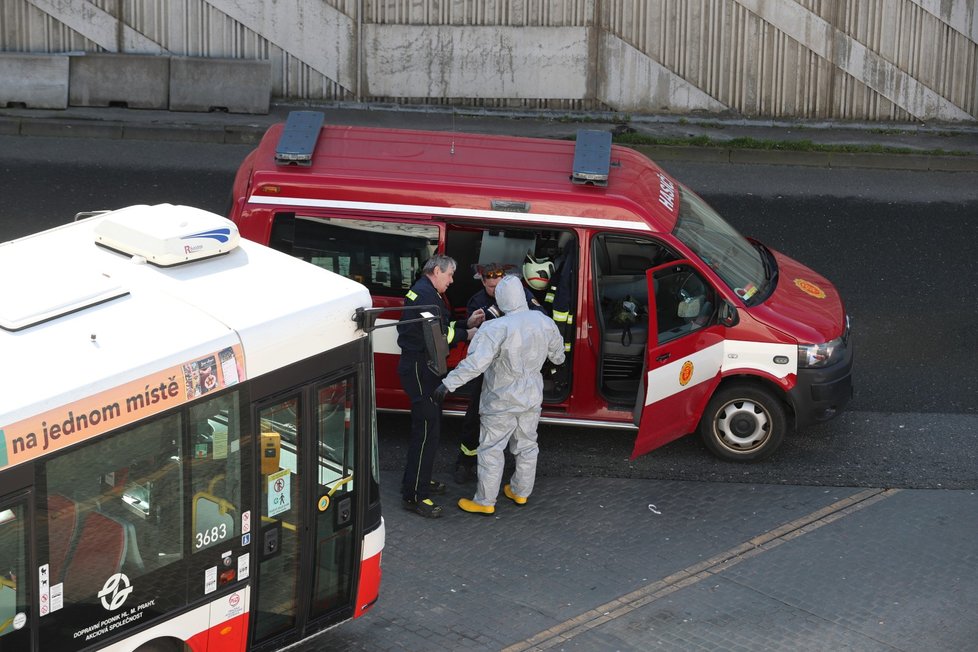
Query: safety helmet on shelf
pixel 537 273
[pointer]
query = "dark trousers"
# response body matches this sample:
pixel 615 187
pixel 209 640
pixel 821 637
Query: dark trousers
pixel 468 439
pixel 419 382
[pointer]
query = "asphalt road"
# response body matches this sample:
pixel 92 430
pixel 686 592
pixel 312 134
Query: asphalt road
pixel 899 245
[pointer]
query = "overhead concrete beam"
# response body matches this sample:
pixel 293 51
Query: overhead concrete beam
pixel 475 62
pixel 234 85
pixel 38 81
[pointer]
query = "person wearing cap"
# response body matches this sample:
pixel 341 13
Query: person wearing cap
pixel 418 381
pixel 485 300
pixel 510 351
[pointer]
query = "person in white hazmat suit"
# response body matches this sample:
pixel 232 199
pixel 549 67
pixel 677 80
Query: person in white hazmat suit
pixel 509 351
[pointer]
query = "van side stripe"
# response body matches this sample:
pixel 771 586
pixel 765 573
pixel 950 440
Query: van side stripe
pixel 725 356
pixel 450 212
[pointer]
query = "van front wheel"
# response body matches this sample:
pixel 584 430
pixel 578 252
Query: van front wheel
pixel 743 422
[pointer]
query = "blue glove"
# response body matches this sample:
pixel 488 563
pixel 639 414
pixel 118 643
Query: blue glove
pixel 439 394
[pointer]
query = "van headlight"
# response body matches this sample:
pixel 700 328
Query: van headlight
pixel 814 356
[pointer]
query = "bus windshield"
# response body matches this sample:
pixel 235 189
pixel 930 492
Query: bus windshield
pixel 744 267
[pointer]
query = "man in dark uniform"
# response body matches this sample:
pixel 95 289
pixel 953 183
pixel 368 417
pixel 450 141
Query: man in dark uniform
pixel 418 381
pixel 485 301
pixel 560 301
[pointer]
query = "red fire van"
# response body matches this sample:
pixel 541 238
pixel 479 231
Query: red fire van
pixel 674 322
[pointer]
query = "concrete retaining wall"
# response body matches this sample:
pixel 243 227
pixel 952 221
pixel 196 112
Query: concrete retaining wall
pixel 38 81
pixel 899 60
pixel 472 61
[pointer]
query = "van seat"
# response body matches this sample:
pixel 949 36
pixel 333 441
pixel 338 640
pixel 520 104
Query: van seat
pixel 611 290
pixel 617 287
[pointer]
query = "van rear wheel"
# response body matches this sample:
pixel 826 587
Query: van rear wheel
pixel 743 422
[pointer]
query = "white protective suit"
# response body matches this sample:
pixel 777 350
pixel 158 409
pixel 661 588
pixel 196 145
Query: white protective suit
pixel 510 351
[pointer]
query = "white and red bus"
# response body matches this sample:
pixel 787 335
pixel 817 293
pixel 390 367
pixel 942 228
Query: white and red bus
pixel 674 322
pixel 188 455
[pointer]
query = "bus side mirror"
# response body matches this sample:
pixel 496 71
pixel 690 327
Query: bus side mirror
pixel 435 345
pixel 727 315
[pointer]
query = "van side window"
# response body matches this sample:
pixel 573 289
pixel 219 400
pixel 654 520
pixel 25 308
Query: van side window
pixel 385 256
pixel 684 302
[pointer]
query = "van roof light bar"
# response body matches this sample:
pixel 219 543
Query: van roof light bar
pixel 592 157
pixel 298 140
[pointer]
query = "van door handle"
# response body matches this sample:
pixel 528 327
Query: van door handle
pixel 663 357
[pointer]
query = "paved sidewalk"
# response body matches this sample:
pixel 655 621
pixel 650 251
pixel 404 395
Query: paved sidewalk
pixel 609 564
pixel 922 141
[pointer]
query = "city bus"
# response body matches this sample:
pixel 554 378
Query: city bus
pixel 188 453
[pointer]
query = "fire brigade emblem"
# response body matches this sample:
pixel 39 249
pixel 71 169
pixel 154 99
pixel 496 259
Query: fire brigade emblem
pixel 810 288
pixel 686 373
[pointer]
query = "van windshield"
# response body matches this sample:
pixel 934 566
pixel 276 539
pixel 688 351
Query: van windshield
pixel 747 269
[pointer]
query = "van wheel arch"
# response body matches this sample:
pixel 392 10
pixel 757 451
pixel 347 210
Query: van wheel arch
pixel 745 420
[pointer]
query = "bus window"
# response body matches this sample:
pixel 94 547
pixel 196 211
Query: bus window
pixel 113 517
pixel 334 521
pixel 215 471
pixel 14 583
pixel 119 500
pixel 281 522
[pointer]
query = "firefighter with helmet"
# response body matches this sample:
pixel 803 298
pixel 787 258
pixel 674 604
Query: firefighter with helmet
pixel 537 273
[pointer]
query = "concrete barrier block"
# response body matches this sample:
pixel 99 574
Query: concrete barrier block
pixel 232 85
pixel 131 80
pixel 38 81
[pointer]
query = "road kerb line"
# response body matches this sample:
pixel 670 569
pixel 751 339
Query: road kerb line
pixel 697 572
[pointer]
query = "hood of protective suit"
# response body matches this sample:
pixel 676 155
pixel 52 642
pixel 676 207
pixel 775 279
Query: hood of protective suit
pixel 510 296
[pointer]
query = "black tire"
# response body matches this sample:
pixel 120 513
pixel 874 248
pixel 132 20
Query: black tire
pixel 163 645
pixel 743 422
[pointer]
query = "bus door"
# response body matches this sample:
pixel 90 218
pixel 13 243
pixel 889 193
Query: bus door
pixel 15 595
pixel 309 555
pixel 683 355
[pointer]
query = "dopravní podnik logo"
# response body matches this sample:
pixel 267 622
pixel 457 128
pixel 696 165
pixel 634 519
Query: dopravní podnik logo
pixel 115 591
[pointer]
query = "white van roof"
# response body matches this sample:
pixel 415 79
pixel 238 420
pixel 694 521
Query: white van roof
pixel 79 317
